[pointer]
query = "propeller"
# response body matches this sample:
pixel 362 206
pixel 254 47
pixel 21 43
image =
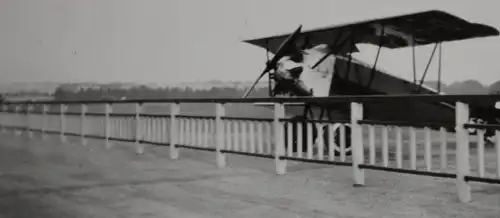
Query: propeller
pixel 282 50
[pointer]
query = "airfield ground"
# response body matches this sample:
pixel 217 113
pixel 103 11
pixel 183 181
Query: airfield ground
pixel 49 179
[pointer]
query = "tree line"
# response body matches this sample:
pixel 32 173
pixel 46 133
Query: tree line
pixel 144 92
pixel 26 93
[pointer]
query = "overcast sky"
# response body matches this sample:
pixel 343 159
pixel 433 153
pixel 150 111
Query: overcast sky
pixel 170 41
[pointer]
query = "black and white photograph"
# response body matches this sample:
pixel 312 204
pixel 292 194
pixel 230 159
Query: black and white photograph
pixel 249 108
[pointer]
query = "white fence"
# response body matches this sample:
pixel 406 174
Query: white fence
pixel 370 145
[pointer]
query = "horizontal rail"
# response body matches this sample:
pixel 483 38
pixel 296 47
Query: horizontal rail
pixel 432 125
pixel 316 100
pixel 482 126
pixel 409 171
pixel 482 180
pixel 315 120
pixel 326 162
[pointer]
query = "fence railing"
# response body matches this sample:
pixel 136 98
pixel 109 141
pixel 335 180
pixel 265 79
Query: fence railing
pixel 357 143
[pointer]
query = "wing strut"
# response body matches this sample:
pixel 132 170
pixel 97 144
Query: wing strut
pixel 372 73
pixel 414 60
pixel 440 54
pixel 349 58
pixel 332 50
pixel 427 67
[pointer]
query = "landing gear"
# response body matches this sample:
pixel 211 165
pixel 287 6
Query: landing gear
pixel 488 134
pixel 338 139
pixel 337 129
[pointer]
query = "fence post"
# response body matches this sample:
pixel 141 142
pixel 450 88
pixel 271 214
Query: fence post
pixel 220 111
pixel 462 151
pixel 107 125
pixel 4 117
pixel 138 129
pixel 17 108
pixel 279 150
pixel 62 135
pixel 44 121
pixel 174 130
pixel 83 124
pixel 357 144
pixel 22 119
pixel 29 128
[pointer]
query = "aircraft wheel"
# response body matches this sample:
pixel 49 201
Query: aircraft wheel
pixel 474 121
pixel 488 134
pixel 337 139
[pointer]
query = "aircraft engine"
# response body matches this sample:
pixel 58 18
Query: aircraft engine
pixel 288 82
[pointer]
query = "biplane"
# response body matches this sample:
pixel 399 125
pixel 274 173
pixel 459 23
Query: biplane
pixel 329 69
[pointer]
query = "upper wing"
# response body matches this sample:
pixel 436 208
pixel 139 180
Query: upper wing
pixel 420 28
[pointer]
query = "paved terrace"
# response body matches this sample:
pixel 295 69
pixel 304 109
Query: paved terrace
pixel 50 179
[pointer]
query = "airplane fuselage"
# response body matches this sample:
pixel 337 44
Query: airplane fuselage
pixel 338 75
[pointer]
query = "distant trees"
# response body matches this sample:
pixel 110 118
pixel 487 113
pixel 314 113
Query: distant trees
pixel 494 88
pixel 27 93
pixel 467 87
pixel 144 92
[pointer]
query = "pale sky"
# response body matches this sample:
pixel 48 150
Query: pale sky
pixel 170 41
